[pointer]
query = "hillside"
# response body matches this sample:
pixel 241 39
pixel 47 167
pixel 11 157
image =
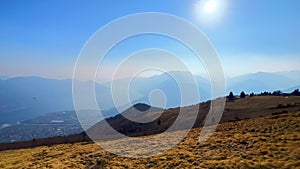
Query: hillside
pixel 150 120
pixel 247 108
pixel 265 142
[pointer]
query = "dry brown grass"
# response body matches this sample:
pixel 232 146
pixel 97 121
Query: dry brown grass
pixel 266 142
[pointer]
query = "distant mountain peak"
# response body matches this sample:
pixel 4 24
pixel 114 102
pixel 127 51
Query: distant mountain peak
pixel 142 107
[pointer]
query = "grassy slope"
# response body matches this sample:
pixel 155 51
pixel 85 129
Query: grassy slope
pixel 248 108
pixel 265 142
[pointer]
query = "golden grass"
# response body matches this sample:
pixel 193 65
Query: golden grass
pixel 266 142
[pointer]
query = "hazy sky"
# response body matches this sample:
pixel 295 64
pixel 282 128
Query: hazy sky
pixel 44 38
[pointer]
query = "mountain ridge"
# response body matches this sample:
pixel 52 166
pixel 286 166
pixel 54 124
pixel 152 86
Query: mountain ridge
pixel 29 97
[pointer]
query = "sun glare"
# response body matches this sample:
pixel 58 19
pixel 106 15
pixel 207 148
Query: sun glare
pixel 210 6
pixel 209 11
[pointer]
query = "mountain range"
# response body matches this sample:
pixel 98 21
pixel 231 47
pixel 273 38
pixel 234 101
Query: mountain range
pixel 24 98
pixel 263 81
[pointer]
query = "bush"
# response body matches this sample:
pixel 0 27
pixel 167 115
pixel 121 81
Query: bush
pixel 242 95
pixel 231 97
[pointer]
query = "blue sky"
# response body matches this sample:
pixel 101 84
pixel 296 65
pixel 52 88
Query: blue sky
pixel 44 38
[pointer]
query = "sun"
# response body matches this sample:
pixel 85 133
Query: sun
pixel 209 11
pixel 210 6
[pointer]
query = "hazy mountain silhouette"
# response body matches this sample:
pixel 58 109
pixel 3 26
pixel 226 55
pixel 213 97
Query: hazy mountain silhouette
pixel 24 98
pixel 262 81
pixel 291 89
pixel 292 75
pixel 28 97
pixel 141 87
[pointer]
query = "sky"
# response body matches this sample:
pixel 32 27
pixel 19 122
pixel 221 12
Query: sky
pixel 44 38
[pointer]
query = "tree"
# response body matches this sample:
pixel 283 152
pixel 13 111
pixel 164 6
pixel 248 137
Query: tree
pixel 277 93
pixel 242 95
pixel 296 92
pixel 251 94
pixel 231 97
pixel 265 93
